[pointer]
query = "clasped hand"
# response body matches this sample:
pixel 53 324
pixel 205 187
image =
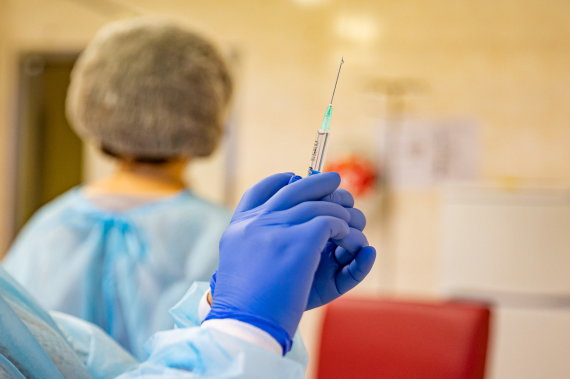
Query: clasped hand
pixel 292 245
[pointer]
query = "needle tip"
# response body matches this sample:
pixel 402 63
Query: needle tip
pixel 336 81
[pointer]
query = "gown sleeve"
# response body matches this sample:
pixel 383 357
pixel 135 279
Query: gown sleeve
pixel 188 351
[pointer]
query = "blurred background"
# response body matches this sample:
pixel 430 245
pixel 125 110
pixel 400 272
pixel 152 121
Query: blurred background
pixel 451 125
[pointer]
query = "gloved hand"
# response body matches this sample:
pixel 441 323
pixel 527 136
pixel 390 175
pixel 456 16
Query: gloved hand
pixel 343 263
pixel 270 252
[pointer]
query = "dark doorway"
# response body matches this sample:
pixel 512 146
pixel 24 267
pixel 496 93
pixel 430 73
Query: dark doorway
pixel 48 153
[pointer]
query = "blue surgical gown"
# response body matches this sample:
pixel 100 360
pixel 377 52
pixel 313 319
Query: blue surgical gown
pixel 121 270
pixel 37 344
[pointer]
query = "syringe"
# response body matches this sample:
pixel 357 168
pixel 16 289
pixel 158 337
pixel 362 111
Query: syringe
pixel 320 145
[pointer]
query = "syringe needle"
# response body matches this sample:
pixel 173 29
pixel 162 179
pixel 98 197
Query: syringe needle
pixel 336 81
pixel 320 145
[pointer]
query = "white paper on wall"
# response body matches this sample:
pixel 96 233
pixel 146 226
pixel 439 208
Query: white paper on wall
pixel 423 153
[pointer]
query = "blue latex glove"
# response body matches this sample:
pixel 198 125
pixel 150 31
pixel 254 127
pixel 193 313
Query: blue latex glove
pixel 270 252
pixel 343 263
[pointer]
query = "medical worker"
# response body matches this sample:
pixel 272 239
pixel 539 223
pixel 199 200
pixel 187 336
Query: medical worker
pixel 291 245
pixel 121 251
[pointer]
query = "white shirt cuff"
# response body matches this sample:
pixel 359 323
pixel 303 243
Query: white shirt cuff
pixel 246 332
pixel 236 328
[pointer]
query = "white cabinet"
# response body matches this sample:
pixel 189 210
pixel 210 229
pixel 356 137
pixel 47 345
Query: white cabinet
pixel 512 248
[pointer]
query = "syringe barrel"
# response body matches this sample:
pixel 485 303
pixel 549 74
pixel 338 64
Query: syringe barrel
pixel 319 151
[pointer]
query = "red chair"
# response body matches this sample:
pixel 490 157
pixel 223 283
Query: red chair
pixel 373 338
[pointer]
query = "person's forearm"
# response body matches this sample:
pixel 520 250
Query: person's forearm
pixel 228 348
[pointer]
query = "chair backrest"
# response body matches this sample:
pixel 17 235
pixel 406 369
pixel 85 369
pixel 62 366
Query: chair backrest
pixel 376 338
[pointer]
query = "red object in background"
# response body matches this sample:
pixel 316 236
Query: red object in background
pixel 358 174
pixel 374 338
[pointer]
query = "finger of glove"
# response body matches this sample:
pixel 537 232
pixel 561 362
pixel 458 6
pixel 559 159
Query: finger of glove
pixel 341 197
pixel 263 191
pixel 357 218
pixel 322 228
pixel 349 246
pixel 311 188
pixel 310 209
pixel 355 272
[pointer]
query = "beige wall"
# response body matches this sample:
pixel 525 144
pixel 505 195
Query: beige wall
pixel 4 96
pixel 503 63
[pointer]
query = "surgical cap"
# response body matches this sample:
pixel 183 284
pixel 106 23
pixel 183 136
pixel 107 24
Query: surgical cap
pixel 149 88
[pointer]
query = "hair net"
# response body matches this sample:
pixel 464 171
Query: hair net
pixel 149 88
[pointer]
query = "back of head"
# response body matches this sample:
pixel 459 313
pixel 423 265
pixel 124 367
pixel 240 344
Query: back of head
pixel 148 88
